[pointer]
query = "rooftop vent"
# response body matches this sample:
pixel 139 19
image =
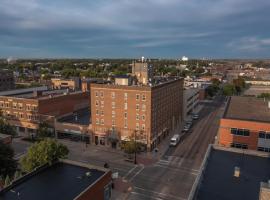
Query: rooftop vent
pixel 237 172
pixel 88 174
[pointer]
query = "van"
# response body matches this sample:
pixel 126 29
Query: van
pixel 175 140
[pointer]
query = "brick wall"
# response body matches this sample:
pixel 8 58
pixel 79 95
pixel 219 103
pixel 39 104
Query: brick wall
pixel 96 192
pixel 226 138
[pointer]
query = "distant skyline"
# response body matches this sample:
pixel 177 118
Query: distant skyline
pixel 130 29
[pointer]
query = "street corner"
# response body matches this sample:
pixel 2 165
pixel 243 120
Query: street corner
pixel 146 161
pixel 122 185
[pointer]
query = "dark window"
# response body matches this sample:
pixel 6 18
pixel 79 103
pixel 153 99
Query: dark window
pixel 246 132
pixel 234 131
pixel 262 134
pixel 268 136
pixel 239 145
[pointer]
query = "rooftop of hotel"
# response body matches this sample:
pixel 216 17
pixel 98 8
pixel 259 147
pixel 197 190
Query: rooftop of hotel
pixel 59 181
pixel 219 181
pixel 247 108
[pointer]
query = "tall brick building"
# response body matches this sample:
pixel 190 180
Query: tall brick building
pixel 246 124
pixel 150 111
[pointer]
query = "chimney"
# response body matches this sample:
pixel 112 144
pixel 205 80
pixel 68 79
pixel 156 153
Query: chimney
pixel 265 191
pixel 236 172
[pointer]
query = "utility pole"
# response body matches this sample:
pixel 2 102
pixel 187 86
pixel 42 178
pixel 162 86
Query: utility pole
pixel 135 152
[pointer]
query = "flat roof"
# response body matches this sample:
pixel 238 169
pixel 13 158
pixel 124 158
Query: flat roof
pixel 219 182
pixel 59 181
pixel 81 117
pixel 247 108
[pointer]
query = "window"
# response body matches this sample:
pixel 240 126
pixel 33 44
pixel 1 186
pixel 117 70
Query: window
pixel 125 115
pixel 97 112
pixel 265 149
pixel 101 94
pixel 143 117
pixel 125 96
pixel 102 103
pixel 137 106
pixel 113 95
pixel 137 97
pixel 7 104
pixel 96 93
pixel 137 126
pixel 14 105
pixel 239 145
pixel 21 115
pixel 262 134
pixel 137 117
pixel 1 104
pixel 102 121
pixel 102 112
pixel 20 106
pixel 97 121
pixel 240 132
pixel 113 104
pixel 28 107
pixel 143 127
pixel 113 122
pixel 125 106
pixel 143 97
pixel 113 113
pixel 143 107
pixel 97 103
pixel 125 124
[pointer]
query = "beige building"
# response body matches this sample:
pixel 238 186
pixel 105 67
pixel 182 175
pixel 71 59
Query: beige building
pixel 72 84
pixel 143 71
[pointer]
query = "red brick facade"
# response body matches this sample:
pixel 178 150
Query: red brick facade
pixel 226 138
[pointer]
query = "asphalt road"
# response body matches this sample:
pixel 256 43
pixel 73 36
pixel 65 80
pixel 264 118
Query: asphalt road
pixel 172 177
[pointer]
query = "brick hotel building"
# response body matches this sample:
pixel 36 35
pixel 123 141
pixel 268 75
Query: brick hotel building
pixel 246 124
pixel 147 110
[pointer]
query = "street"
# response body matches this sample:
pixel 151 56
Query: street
pixel 169 178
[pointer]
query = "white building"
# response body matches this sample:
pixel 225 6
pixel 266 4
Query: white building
pixel 190 101
pixel 184 58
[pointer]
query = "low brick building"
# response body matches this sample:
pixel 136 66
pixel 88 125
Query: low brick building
pixel 62 180
pixel 246 124
pixel 26 110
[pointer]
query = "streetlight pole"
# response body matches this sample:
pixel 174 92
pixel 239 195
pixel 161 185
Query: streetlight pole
pixel 135 153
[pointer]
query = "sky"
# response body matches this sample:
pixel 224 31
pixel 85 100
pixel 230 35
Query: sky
pixel 135 28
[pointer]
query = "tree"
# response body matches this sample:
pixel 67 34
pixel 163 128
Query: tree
pixel 7 181
pixel 44 130
pixel 229 90
pixel 5 127
pixel 264 95
pixel 7 164
pixel 215 81
pixel 41 153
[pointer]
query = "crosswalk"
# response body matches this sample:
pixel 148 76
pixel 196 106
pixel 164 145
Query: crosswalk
pixel 175 162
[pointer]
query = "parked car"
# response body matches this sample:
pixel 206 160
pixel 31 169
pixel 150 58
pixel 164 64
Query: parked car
pixel 195 116
pixel 175 140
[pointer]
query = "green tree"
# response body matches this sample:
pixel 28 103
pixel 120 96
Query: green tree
pixel 7 181
pixel 264 95
pixel 41 153
pixel 215 81
pixel 17 175
pixel 7 164
pixel 5 127
pixel 44 130
pixel 229 90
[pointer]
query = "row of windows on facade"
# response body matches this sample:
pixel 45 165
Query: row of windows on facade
pixel 138 96
pixel 101 103
pixel 101 112
pixel 240 132
pixel 20 115
pixel 246 132
pixel 101 122
pixel 18 106
pixel 245 146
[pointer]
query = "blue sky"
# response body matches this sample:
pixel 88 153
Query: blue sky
pixel 132 28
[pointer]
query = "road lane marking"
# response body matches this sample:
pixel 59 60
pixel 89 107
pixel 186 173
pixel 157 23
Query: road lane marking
pixel 136 173
pixel 161 194
pixel 131 170
pixel 195 173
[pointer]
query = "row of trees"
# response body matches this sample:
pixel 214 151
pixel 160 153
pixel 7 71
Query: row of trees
pixel 235 88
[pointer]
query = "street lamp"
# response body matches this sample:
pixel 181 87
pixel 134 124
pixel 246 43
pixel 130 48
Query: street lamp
pixel 135 152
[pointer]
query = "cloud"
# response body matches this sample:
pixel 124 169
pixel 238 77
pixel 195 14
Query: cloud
pixel 63 26
pixel 250 44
